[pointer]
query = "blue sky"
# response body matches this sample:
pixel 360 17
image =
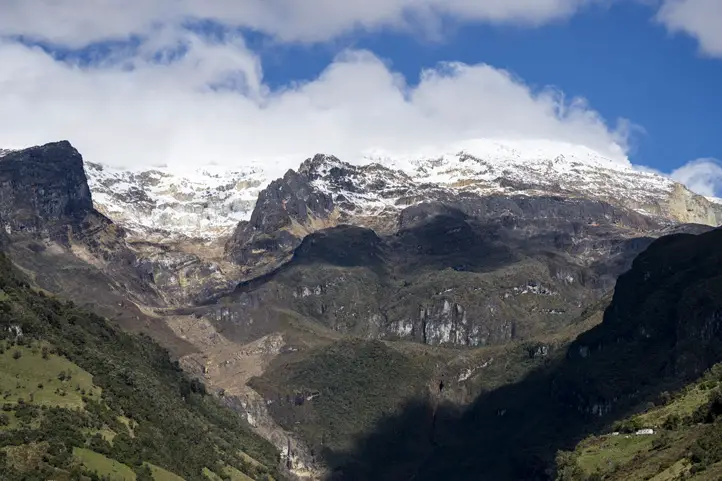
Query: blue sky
pixel 616 58
pixel 326 77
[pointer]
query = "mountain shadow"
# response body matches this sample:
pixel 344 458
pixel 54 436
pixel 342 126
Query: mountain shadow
pixel 661 331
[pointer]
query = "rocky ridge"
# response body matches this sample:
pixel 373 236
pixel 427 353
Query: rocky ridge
pixel 539 167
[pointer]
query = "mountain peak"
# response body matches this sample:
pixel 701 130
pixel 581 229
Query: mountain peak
pixel 319 162
pixel 61 150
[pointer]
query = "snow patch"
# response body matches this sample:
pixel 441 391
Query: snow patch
pixel 206 203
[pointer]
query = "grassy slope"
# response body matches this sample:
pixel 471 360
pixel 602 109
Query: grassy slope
pixel 45 380
pixel 82 396
pixel 687 443
pixel 103 465
pixel 160 474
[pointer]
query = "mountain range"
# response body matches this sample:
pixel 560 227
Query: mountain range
pixel 208 202
pixel 319 304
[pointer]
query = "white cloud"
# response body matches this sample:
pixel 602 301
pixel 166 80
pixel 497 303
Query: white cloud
pixel 130 109
pixel 135 111
pixel 702 19
pixel 703 176
pixel 78 22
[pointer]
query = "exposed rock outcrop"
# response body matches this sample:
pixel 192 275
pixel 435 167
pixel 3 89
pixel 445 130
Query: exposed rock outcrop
pixel 44 191
pixel 286 211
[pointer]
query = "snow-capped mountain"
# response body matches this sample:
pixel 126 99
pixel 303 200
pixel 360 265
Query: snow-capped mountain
pixel 545 167
pixel 208 202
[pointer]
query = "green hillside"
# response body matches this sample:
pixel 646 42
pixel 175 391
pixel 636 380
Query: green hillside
pixel 82 400
pixel 686 442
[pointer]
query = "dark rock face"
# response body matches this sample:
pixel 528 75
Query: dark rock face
pixel 47 204
pixel 43 190
pixel 463 270
pixel 345 246
pixel 671 295
pixel 662 329
pixel 286 205
pixel 50 228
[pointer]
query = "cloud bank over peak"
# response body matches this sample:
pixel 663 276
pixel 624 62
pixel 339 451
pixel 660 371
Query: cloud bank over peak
pixel 150 91
pixel 183 99
pixel 79 22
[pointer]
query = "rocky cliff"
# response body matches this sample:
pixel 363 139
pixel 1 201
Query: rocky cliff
pixel 44 191
pixel 286 211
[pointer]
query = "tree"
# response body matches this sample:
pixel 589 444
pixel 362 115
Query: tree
pixel 143 473
pixel 672 422
pixel 567 467
pixel 629 425
pixel 98 444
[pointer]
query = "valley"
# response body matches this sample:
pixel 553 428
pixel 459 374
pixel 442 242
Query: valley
pixel 340 305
